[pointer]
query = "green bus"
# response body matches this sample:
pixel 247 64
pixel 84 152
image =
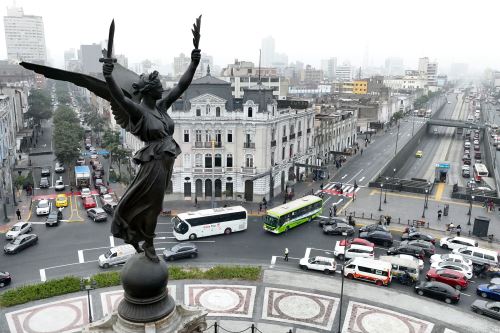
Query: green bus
pixel 292 214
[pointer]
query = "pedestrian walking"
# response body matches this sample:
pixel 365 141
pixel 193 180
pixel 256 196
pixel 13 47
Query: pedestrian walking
pixel 440 212
pixel 196 201
pixel 286 254
pixel 18 213
pixel 331 211
pixel 361 151
pixel 334 210
pixel 459 230
pixel 260 207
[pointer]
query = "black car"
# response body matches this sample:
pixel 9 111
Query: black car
pixel 438 290
pixel 491 309
pixel 53 219
pixel 330 220
pixel 338 229
pixel 97 214
pixel 87 146
pixel 80 161
pixel 44 183
pixel 109 208
pixel 372 227
pixel 179 251
pixel 418 236
pixel 20 243
pixel 428 247
pixel 378 237
pixel 45 172
pixel 4 279
pixel 407 249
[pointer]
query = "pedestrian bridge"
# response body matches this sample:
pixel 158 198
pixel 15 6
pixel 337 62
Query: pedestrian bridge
pixel 455 123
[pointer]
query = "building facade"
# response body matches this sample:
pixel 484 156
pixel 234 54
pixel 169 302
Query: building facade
pixel 360 87
pixel 24 36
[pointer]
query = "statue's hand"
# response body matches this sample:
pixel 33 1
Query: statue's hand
pixel 196 56
pixel 107 69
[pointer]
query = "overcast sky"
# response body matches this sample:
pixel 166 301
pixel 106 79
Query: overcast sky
pixel 446 31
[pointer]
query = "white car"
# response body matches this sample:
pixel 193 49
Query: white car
pixel 59 185
pixel 107 199
pixel 324 264
pixel 464 269
pixel 476 142
pixel 420 262
pixel 353 251
pixel 451 257
pixel 85 193
pixel 43 207
pixel 59 167
pixel 94 156
pixel 18 229
pixel 456 242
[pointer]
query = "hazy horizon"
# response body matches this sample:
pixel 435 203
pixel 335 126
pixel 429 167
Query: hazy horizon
pixel 445 31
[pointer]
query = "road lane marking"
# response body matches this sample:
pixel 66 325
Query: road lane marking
pixel 165 223
pixel 95 248
pixel 324 203
pixel 80 257
pixel 112 241
pixel 439 191
pixel 164 232
pixel 273 261
pixel 357 173
pixel 43 277
pixel 164 237
pixel 308 252
pixel 344 176
pixel 312 248
pixel 341 199
pixel 181 242
pixel 361 179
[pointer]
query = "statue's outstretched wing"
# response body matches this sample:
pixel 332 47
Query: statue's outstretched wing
pixel 123 76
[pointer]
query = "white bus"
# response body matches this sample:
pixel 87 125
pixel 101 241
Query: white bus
pixel 209 222
pixel 480 171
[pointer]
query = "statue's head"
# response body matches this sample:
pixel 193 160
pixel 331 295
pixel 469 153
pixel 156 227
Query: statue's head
pixel 149 84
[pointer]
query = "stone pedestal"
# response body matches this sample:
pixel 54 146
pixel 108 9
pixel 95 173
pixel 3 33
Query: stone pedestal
pixel 146 306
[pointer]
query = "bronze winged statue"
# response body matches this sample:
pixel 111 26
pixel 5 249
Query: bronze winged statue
pixel 139 107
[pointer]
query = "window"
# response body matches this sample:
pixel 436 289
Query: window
pixel 249 160
pixel 292 129
pixel 218 160
pixel 272 158
pixel 198 135
pixel 283 153
pixel 298 147
pixel 208 136
pixel 291 150
pixel 218 136
pixel 217 111
pixel 186 135
pixel 208 160
pixel 229 160
pixel 300 126
pixel 284 130
pixel 273 133
pixel 229 135
pixel 198 112
pixel 478 255
pixel 207 109
pixel 198 160
pixel 250 112
pixel 187 160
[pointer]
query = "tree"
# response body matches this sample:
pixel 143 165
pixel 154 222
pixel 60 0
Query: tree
pixel 64 114
pixel 93 119
pixel 111 141
pixel 39 105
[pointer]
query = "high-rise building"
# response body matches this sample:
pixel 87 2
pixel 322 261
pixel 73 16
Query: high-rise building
pixel 181 63
pixel 344 72
pixel 268 51
pixel 394 66
pixel 24 36
pixel 429 70
pixel 328 66
pixel 89 57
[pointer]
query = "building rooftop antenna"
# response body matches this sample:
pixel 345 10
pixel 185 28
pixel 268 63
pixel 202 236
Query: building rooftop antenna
pixel 260 57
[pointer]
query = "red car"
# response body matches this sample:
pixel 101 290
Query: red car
pixel 357 241
pixel 448 276
pixel 89 202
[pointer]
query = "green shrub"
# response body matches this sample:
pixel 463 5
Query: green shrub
pixel 233 272
pixel 108 279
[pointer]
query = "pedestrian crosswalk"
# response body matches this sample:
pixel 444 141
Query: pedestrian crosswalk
pixel 333 188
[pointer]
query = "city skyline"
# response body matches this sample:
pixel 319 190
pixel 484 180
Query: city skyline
pixel 388 29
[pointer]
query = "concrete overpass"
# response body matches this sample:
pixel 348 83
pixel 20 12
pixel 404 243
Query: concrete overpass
pixel 455 123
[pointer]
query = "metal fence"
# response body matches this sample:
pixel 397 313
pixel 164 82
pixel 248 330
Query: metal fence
pixel 216 328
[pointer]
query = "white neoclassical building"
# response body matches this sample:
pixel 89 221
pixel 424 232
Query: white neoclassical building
pixel 231 145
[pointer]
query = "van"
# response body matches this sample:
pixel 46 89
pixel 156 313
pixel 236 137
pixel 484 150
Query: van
pixel 478 255
pixel 116 255
pixel 371 270
pixel 402 265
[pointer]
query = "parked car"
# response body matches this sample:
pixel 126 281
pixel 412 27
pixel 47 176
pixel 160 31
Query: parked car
pixel 418 236
pixel 428 247
pixel 448 276
pixel 109 208
pixel 378 237
pixel 338 229
pixel 85 193
pixel 490 309
pixel 61 200
pixel 44 182
pixel 407 249
pixel 97 214
pixel 438 290
pixel 59 185
pixel 54 218
pixel 451 257
pixel 18 229
pixel 5 279
pixel 179 251
pixel 89 202
pixel 45 172
pixel 372 227
pixel 456 242
pixel 20 243
pixel 43 207
pixel 490 290
pixel 464 269
pixel 322 221
pixel 59 168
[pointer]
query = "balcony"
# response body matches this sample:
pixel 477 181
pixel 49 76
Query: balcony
pixel 248 171
pixel 198 144
pixel 273 143
pixel 308 130
pixel 208 171
pixel 249 145
pixel 284 139
pixel 292 136
pixel 299 133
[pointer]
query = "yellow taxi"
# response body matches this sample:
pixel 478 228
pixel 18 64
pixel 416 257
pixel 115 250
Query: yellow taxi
pixel 61 200
pixel 419 154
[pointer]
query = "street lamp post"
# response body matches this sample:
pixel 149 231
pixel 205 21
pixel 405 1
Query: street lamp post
pixel 380 200
pixel 213 173
pixel 470 209
pixel 427 196
pixel 385 196
pixel 425 203
pixel 342 283
pixel 88 284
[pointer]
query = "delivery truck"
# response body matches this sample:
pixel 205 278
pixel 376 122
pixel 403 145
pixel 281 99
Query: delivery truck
pixel 82 176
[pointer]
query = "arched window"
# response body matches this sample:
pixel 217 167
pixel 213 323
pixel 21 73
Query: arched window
pixel 208 109
pixel 198 160
pixel 198 112
pixel 249 160
pixel 218 160
pixel 208 160
pixel 217 111
pixel 229 160
pixel 250 112
pixel 187 160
